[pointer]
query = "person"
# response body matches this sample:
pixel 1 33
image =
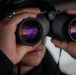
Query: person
pixel 8 41
pixel 33 59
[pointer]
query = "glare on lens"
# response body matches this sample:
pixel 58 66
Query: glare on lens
pixel 73 30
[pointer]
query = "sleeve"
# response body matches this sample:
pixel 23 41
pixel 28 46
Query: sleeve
pixel 5 64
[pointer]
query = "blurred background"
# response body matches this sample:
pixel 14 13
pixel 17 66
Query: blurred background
pixel 67 63
pixel 68 4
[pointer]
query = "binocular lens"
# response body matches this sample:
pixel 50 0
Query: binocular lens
pixel 30 32
pixel 73 30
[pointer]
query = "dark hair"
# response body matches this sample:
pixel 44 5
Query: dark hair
pixel 42 4
pixel 6 7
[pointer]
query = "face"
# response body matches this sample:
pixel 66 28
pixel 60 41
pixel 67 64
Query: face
pixel 34 57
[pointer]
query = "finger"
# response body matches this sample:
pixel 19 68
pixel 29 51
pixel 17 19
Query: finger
pixel 59 44
pixel 24 10
pixel 71 12
pixel 15 20
pixel 22 50
pixel 29 10
pixel 68 11
pixel 3 20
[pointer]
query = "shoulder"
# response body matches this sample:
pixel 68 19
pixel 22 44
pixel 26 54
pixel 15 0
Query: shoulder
pixel 50 66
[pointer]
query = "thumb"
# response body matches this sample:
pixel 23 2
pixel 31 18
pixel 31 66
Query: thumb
pixel 59 44
pixel 21 51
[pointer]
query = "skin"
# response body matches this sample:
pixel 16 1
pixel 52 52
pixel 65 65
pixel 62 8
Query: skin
pixel 32 58
pixel 69 47
pixel 7 34
pixel 28 55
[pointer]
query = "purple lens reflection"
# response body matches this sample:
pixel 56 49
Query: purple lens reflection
pixel 73 30
pixel 30 31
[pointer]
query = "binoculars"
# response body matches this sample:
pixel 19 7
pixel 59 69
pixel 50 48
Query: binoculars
pixel 49 22
pixel 58 25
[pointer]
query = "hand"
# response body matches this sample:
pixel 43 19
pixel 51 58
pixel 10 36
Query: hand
pixel 69 47
pixel 7 34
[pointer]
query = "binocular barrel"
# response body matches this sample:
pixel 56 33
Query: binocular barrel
pixel 57 25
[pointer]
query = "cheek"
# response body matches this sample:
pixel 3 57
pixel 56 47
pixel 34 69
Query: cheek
pixel 43 51
pixel 32 60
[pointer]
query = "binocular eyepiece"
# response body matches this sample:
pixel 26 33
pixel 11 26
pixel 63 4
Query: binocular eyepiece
pixel 58 25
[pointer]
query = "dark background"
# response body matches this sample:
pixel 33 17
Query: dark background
pixel 68 4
